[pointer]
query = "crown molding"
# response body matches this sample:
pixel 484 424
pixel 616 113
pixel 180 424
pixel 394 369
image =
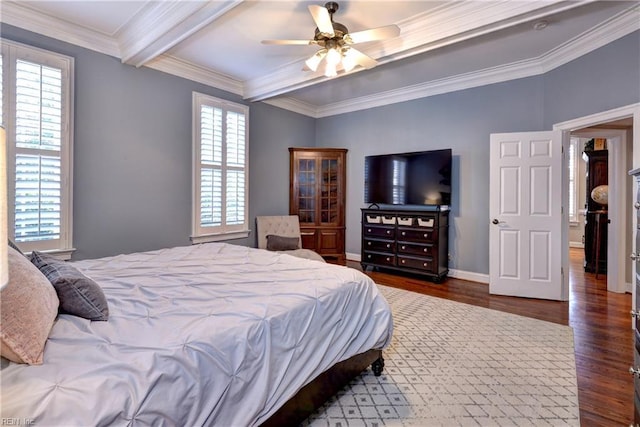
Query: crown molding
pixel 608 31
pixel 19 15
pixel 161 25
pixel 294 105
pixel 484 77
pixel 190 71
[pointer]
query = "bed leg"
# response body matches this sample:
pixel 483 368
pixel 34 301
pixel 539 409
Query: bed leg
pixel 377 366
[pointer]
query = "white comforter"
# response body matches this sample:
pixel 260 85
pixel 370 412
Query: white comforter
pixel 212 334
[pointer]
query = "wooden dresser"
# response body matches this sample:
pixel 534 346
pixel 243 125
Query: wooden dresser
pixel 317 191
pixel 407 240
pixel 635 370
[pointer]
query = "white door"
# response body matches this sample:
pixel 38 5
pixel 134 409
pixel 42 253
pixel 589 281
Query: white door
pixel 525 208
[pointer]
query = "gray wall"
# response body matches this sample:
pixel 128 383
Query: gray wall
pixel 132 153
pixel 461 121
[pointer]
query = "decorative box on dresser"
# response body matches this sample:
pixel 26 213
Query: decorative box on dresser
pixel 413 241
pixel 317 191
pixel 635 370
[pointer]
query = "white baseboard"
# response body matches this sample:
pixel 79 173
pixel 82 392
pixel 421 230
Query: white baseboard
pixel 457 274
pixel 353 257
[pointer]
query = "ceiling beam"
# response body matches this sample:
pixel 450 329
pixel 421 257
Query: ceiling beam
pixel 161 25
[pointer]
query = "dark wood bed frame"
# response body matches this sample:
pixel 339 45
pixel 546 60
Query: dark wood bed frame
pixel 325 385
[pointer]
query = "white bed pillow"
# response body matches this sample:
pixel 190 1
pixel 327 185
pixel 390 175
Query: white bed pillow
pixel 28 308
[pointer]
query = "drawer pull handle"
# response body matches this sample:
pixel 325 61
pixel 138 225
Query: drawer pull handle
pixel 426 235
pixel 369 256
pixel 634 372
pixel 635 314
pixel 388 259
pixel 425 250
pixel 403 261
pixel 424 264
pixel 388 231
pixel 369 243
pixel 404 234
pixel 368 230
pixel 404 247
pixel 388 245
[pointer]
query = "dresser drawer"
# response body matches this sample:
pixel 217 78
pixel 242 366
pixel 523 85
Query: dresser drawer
pixel 387 232
pixel 415 249
pixel 379 245
pixel 425 264
pixel 380 259
pixel 427 235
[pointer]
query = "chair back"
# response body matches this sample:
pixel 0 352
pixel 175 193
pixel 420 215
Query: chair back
pixel 280 225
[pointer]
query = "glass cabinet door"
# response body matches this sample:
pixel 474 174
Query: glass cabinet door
pixel 307 190
pixel 329 182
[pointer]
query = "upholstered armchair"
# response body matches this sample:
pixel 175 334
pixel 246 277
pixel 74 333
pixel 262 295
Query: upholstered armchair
pixel 282 234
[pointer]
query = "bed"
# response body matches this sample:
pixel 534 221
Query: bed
pixel 210 334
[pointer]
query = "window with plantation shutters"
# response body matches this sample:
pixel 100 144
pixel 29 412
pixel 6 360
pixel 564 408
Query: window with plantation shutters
pixel 36 95
pixel 220 184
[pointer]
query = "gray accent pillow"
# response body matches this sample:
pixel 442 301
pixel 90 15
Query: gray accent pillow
pixel 78 294
pixel 282 243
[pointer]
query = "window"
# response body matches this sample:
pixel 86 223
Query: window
pixel 220 179
pixel 573 183
pixel 36 113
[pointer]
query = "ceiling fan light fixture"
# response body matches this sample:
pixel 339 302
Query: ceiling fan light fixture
pixel 330 70
pixel 315 60
pixel 333 57
pixel 348 61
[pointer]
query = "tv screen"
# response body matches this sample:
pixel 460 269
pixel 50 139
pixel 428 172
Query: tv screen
pixel 419 178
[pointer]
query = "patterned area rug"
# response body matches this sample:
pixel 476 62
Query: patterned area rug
pixel 453 364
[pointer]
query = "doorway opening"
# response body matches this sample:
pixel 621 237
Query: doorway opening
pixel 620 128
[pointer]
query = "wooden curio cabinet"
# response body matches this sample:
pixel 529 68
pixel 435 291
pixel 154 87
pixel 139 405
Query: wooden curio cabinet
pixel 317 195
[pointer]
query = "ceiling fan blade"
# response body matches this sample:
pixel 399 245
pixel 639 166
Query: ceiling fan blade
pixel 353 57
pixel 380 33
pixel 289 42
pixel 312 63
pixel 322 19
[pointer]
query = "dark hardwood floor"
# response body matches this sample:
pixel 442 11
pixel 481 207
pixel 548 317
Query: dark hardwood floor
pixel 601 325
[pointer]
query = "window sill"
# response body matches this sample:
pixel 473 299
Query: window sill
pixel 61 254
pixel 219 237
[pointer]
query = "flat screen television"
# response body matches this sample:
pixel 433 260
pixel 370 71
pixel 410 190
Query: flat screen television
pixel 418 178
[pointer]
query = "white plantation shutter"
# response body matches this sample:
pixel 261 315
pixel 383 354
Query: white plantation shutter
pixel 573 184
pixel 37 87
pixel 220 169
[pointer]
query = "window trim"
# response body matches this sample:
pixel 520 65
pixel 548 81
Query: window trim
pixel 11 52
pixel 201 234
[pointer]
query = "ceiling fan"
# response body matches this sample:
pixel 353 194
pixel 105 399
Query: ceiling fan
pixel 336 42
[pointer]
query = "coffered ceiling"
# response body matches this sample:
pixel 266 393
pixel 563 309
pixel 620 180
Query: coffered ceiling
pixel 442 46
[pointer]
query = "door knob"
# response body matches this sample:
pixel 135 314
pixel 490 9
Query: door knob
pixel 495 221
pixel 634 257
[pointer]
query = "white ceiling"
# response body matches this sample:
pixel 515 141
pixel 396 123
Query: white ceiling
pixel 443 45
